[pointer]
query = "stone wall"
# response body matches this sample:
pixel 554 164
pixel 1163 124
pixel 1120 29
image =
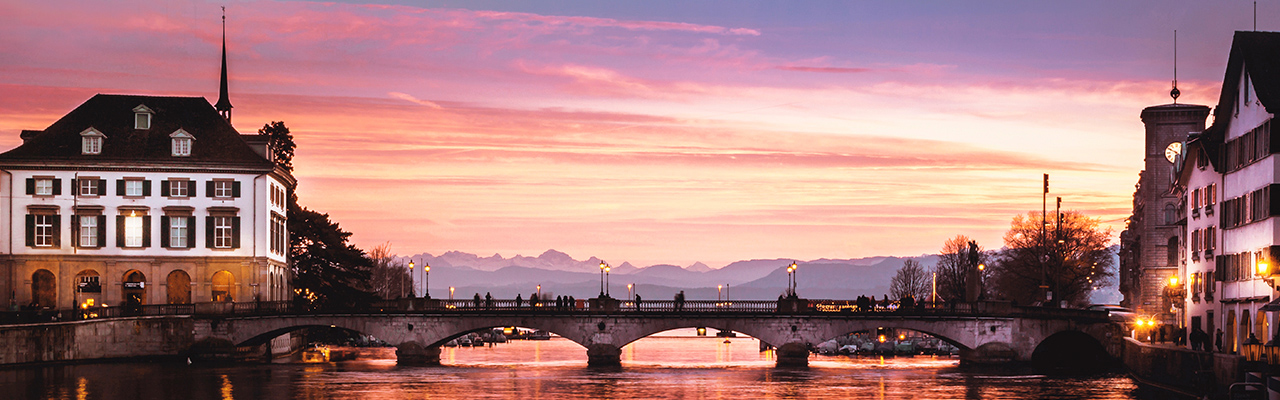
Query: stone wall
pixel 95 339
pixel 1180 370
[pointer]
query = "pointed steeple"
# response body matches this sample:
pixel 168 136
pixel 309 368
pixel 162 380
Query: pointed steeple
pixel 224 102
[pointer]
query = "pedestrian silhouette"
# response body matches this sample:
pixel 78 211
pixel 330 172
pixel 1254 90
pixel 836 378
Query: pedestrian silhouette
pixel 518 299
pixel 637 301
pixel 477 299
pixel 488 300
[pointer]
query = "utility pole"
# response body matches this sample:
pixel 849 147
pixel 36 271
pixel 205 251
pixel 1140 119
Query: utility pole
pixel 1044 209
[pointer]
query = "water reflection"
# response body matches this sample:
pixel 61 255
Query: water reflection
pixel 670 366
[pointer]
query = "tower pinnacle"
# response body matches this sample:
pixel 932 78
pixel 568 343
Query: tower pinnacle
pixel 224 102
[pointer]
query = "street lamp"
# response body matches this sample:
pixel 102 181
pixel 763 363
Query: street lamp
pixel 606 280
pixel 629 291
pixel 451 293
pixel 718 287
pixel 410 279
pixel 602 267
pixel 791 275
pixel 426 280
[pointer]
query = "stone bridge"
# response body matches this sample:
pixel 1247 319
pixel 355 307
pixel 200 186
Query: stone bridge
pixel 984 332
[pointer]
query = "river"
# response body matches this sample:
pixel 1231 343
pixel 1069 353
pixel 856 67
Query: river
pixel 674 364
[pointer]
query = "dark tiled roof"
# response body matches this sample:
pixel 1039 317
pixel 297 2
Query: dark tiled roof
pixel 216 141
pixel 1259 54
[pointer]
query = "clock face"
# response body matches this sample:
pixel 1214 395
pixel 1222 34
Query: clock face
pixel 1172 151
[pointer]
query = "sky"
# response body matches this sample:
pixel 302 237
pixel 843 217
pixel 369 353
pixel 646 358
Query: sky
pixel 658 131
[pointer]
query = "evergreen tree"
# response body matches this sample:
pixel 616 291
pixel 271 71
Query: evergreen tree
pixel 327 272
pixel 280 142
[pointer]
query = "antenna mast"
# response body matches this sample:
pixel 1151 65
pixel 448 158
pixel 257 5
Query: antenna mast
pixel 1175 93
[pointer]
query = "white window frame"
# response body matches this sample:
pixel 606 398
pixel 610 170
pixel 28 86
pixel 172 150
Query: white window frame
pixel 44 230
pixel 138 121
pixel 133 231
pixel 180 143
pixel 178 232
pixel 91 185
pixel 222 231
pixel 91 141
pixel 223 189
pixel 88 230
pixel 133 188
pixel 44 187
pixel 179 188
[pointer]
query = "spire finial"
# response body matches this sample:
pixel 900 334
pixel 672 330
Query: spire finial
pixel 1175 93
pixel 224 102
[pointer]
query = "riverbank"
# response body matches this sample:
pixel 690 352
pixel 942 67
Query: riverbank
pixel 1182 372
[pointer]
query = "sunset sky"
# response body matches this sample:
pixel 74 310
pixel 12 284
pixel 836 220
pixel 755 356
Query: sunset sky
pixel 657 131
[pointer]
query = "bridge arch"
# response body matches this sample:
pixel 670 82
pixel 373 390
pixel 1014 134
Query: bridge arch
pixel 1070 352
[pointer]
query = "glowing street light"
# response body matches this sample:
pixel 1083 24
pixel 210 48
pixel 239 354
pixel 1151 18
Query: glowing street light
pixel 451 293
pixel 603 265
pixel 426 280
pixel 718 287
pixel 410 278
pixel 629 291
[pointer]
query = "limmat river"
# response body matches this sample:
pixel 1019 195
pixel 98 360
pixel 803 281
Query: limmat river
pixel 671 365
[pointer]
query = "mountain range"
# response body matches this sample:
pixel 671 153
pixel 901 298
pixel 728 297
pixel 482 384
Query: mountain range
pixel 560 274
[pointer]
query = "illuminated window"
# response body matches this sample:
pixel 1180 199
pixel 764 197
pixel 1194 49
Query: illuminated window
pixel 133 231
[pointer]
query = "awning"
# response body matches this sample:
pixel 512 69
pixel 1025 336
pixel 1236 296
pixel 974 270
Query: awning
pixel 1274 305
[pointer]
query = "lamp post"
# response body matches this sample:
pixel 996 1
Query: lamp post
pixel 629 291
pixel 602 267
pixel 606 280
pixel 791 277
pixel 718 287
pixel 426 280
pixel 451 293
pixel 410 278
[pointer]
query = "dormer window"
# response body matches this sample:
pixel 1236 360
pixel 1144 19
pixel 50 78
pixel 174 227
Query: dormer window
pixel 142 117
pixel 91 141
pixel 181 143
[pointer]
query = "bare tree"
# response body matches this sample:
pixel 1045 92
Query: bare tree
pixel 912 280
pixel 1070 258
pixel 390 277
pixel 953 267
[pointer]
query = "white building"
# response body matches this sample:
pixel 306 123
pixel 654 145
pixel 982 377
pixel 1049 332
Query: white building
pixel 134 200
pixel 1227 174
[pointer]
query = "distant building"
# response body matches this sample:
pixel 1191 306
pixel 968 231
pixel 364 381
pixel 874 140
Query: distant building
pixel 1225 178
pixel 131 200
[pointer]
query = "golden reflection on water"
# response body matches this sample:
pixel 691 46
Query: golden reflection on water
pixel 226 388
pixel 82 388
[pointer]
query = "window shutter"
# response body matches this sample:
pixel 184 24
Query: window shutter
pixel 74 192
pixel 235 189
pixel 235 229
pixel 164 229
pixel 146 231
pixel 191 232
pixel 119 187
pixel 57 187
pixel 75 230
pixel 208 232
pixel 164 189
pixel 57 230
pixel 102 189
pixel 31 229
pixel 102 231
pixel 31 185
pixel 208 189
pixel 191 186
pixel 120 231
pixel 146 188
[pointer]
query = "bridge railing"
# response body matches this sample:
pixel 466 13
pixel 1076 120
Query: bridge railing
pixel 788 306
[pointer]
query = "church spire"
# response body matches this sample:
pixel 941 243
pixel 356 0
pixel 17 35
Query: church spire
pixel 224 103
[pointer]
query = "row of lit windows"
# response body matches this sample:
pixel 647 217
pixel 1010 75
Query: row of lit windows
pixel 133 231
pixel 133 187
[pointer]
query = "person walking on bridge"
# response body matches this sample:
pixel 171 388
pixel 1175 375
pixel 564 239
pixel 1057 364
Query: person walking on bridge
pixel 519 300
pixel 637 301
pixel 488 300
pixel 477 300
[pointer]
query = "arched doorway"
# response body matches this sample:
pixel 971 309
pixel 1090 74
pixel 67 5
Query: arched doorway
pixel 223 284
pixel 179 287
pixel 134 288
pixel 44 289
pixel 88 289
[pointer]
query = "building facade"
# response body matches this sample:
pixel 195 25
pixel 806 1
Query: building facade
pixel 132 200
pixel 1226 178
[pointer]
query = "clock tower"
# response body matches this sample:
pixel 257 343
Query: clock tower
pixel 1149 249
